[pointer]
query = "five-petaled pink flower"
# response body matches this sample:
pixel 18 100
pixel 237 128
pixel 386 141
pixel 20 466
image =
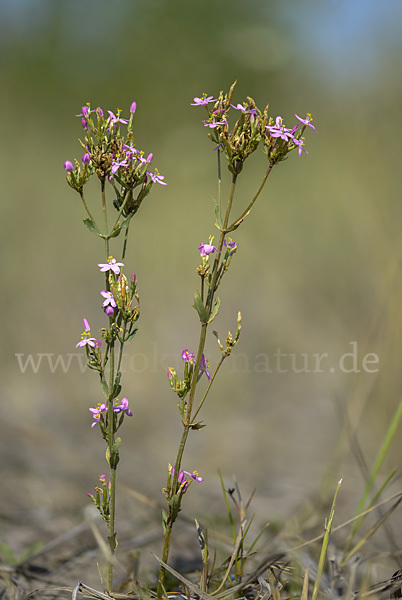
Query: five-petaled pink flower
pixel 203 100
pixel 111 265
pixel 113 119
pixel 97 412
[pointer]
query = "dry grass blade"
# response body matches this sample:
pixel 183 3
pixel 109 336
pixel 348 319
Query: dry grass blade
pixel 84 590
pixel 391 585
pixel 272 561
pixel 371 532
pixel 273 583
pixel 189 584
pixel 239 538
pixel 304 592
pixel 348 522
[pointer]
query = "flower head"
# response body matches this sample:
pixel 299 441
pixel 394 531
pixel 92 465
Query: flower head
pixel 214 123
pixel 194 475
pixel 97 412
pixel 88 341
pixel 307 121
pixel 187 356
pixel 113 119
pixel 203 100
pixel 229 243
pixel 244 108
pixel 204 367
pixel 111 265
pixel 300 144
pixel 156 177
pixel 86 111
pixel 123 407
pixel 109 304
pixel 181 479
pixel 206 249
pixel 116 164
pixel 280 131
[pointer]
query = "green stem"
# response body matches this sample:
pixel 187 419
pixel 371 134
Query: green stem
pixel 86 207
pixel 112 464
pixel 244 214
pixel 188 417
pixel 208 387
pixel 104 210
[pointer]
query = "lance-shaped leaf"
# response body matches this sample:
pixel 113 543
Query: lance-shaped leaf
pixel 115 232
pixel 200 308
pixel 92 227
pixel 217 211
pixel 116 387
pixel 215 310
pixel 131 334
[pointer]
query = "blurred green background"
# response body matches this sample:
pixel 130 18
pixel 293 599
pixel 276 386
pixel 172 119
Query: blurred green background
pixel 318 261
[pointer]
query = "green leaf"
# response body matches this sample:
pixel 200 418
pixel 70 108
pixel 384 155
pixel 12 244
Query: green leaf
pixel 131 334
pixel 126 221
pixel 116 445
pixel 164 519
pixel 200 308
pixel 215 310
pixel 116 385
pixel 122 183
pixel 217 211
pixel 92 226
pixel 115 232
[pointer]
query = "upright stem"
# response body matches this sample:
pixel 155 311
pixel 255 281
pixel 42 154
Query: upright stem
pixel 188 417
pixel 113 465
pixel 104 210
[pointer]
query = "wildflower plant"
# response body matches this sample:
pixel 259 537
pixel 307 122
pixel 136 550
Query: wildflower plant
pixel 124 171
pixel 236 130
pixel 236 141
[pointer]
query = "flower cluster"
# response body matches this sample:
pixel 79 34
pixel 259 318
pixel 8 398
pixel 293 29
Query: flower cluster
pixel 86 339
pixel 121 294
pixel 121 306
pixel 113 158
pixel 100 411
pixel 182 386
pixel 252 126
pixel 183 481
pixel 209 248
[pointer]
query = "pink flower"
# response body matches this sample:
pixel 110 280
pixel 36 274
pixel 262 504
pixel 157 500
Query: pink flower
pixel 111 265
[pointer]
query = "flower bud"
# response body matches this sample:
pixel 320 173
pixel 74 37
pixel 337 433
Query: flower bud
pixel 86 159
pixel 133 107
pixel 109 311
pixel 68 166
